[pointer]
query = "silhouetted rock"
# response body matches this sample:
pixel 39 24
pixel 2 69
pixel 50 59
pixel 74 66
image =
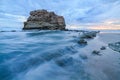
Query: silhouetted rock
pixel 44 20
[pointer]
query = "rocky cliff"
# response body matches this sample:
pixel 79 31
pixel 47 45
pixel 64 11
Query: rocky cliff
pixel 44 20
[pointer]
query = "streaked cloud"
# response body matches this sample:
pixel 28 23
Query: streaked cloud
pixel 80 13
pixel 19 18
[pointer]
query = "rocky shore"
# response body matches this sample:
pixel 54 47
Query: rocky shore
pixel 44 20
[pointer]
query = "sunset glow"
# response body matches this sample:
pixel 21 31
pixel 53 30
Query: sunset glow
pixel 105 27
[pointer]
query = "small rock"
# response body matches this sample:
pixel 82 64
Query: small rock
pixel 62 62
pixel 96 52
pixel 2 31
pixel 103 48
pixel 82 41
pixel 83 57
pixel 13 31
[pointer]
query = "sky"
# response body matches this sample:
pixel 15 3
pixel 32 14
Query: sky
pixel 78 14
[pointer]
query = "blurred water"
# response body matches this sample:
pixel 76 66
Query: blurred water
pixel 53 55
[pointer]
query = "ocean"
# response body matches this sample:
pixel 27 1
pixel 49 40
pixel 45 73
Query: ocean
pixel 52 55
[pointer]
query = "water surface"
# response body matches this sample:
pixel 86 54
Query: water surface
pixel 55 55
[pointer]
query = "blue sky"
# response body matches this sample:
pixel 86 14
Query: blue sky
pixel 78 13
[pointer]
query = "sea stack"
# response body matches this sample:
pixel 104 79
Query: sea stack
pixel 44 20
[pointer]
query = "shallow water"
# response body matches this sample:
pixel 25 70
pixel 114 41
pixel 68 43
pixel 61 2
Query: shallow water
pixel 55 55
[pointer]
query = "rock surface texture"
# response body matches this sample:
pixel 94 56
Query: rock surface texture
pixel 44 20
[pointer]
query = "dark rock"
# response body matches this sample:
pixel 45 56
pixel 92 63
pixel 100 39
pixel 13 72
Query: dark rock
pixel 62 62
pixel 50 56
pixel 13 31
pixel 2 31
pixel 96 52
pixel 82 42
pixel 84 57
pixel 44 20
pixel 103 48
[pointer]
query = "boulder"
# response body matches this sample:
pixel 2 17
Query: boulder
pixel 44 20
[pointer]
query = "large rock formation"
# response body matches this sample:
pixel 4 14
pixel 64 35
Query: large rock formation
pixel 44 20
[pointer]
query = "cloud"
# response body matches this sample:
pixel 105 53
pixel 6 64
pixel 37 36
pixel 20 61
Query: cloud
pixel 78 12
pixel 19 18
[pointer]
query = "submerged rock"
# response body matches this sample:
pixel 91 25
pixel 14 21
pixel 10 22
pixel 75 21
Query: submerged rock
pixel 13 31
pixel 2 31
pixel 44 20
pixel 82 42
pixel 62 62
pixel 103 48
pixel 84 57
pixel 95 52
pixel 115 46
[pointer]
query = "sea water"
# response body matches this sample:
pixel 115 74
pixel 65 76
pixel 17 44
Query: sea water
pixel 51 55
